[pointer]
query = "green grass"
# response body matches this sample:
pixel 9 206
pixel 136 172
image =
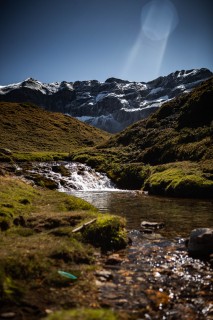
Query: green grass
pixel 84 314
pixel 183 179
pixel 20 199
pixel 37 240
pixel 28 128
pixel 39 156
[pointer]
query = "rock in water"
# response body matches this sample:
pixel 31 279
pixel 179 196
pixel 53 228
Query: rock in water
pixel 201 242
pixel 152 225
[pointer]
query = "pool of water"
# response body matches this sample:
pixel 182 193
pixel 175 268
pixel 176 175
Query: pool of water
pixel 179 215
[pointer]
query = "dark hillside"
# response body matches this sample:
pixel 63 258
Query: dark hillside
pixel 180 130
pixel 170 153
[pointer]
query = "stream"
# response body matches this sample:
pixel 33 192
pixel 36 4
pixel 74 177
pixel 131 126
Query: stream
pixel 180 216
pixel 154 278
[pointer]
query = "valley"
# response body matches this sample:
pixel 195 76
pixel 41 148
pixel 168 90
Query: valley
pixel 122 273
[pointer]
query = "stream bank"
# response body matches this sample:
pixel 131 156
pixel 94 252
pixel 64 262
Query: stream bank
pixel 153 278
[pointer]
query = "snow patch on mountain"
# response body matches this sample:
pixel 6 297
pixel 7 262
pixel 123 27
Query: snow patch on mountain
pixel 111 105
pixel 156 90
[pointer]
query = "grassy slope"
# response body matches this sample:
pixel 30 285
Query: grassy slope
pixel 179 130
pixel 36 240
pixel 179 134
pixel 27 128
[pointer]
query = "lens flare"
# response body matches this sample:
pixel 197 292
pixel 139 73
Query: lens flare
pixel 159 18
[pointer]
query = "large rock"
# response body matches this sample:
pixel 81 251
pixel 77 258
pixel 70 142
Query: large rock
pixel 201 242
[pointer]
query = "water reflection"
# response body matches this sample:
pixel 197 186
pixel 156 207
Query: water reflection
pixel 180 215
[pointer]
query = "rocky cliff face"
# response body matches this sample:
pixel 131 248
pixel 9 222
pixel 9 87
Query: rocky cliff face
pixel 111 105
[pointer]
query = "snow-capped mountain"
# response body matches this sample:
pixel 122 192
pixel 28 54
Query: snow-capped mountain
pixel 111 105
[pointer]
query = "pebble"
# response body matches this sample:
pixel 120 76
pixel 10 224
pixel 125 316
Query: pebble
pixel 104 275
pixel 158 277
pixel 147 230
pixel 154 225
pixel 114 259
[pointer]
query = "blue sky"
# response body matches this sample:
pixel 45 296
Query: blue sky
pixel 137 40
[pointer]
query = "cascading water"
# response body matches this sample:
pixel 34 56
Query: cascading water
pixel 71 176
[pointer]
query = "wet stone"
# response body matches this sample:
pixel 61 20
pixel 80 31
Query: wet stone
pixel 158 280
pixel 104 275
pixel 114 259
pixel 147 230
pixel 121 302
pixel 152 225
pixel 201 242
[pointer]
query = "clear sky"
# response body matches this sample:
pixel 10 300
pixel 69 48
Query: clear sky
pixel 137 40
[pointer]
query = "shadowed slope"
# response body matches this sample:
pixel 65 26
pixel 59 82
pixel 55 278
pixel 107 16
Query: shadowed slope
pixel 169 153
pixel 179 130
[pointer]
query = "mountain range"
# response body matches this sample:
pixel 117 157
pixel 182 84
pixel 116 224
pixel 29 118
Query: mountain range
pixel 169 153
pixel 111 105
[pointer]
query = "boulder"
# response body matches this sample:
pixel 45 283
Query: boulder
pixel 201 242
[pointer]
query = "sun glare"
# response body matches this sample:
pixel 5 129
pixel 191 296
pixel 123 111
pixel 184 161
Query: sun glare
pixel 158 20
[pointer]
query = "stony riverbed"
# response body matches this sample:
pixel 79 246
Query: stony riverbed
pixel 156 279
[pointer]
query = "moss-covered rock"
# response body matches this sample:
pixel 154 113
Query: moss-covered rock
pixel 129 176
pixel 179 180
pixel 44 182
pixel 107 232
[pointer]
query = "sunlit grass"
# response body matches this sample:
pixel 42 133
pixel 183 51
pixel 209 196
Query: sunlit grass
pixel 28 128
pixel 37 240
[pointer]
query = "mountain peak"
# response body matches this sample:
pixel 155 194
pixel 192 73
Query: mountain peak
pixel 111 105
pixel 110 80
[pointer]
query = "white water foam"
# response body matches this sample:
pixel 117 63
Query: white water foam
pixel 78 177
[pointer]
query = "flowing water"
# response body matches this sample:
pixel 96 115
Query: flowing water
pixel 179 215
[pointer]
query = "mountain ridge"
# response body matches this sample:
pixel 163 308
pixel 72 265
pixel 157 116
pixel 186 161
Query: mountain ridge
pixel 169 153
pixel 182 121
pixel 111 105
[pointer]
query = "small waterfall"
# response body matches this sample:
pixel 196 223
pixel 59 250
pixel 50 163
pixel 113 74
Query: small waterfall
pixel 72 176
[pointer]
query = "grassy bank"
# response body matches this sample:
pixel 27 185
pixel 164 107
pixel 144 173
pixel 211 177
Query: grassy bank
pixel 37 241
pixel 181 179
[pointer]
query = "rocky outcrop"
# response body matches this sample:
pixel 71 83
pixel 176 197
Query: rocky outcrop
pixel 201 242
pixel 111 105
